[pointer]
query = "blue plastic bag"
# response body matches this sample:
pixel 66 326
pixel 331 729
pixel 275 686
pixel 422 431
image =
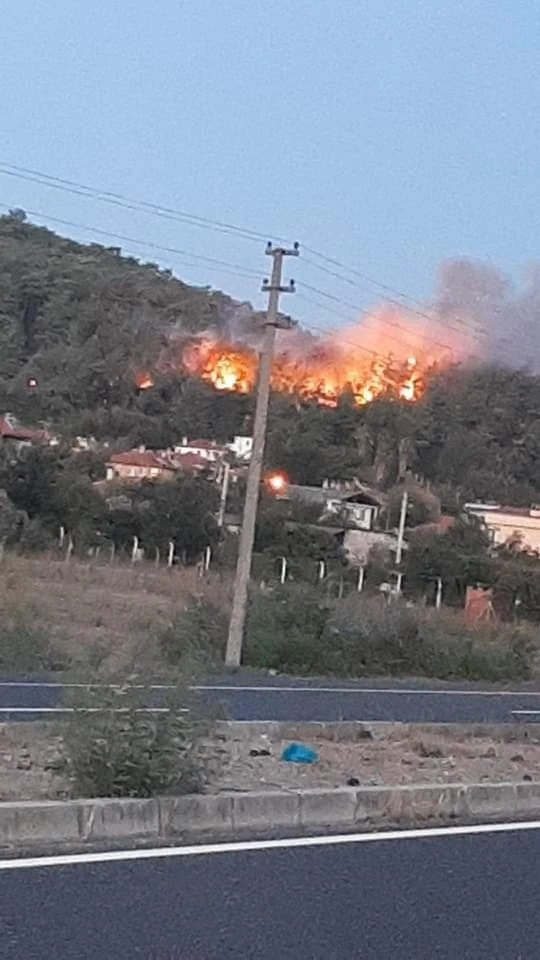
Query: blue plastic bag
pixel 298 753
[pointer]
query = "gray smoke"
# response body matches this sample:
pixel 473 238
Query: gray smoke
pixel 501 320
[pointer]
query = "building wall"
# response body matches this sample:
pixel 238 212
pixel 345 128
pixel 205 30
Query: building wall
pixel 506 526
pixel 125 471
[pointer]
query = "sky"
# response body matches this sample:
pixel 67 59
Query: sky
pixel 389 135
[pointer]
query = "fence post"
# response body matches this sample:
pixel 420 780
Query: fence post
pixel 361 576
pixel 283 571
pixel 135 549
pixel 170 555
pixel 438 596
pixel 322 570
pixel 69 550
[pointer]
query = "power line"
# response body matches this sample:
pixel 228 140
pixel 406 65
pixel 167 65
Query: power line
pixel 376 317
pixel 170 213
pixel 478 329
pixel 235 268
pixel 118 199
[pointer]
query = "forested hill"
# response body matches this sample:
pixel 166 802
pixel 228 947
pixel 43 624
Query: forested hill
pixel 81 320
pixel 78 322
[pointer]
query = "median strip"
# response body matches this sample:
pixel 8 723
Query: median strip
pixel 81 822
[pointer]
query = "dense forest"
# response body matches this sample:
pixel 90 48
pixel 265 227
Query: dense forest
pixel 78 322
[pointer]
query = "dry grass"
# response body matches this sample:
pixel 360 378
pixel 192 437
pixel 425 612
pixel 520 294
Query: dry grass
pixel 101 617
pixel 30 755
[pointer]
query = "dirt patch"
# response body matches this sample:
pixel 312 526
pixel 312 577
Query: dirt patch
pixel 31 755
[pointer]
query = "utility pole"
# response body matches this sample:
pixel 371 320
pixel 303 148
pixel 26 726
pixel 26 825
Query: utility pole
pixel 223 494
pixel 401 528
pixel 400 539
pixel 233 654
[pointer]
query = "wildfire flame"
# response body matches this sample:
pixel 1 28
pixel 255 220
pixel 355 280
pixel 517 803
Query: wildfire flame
pixel 367 361
pixel 144 380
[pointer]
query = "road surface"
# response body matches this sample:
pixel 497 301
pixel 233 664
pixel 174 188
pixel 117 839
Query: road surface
pixel 276 698
pixel 450 894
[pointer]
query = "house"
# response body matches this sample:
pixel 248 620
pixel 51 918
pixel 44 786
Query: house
pixel 349 506
pixel 191 463
pixel 11 430
pixel 140 464
pixel 519 526
pixel 241 448
pixel 206 449
pixel 357 545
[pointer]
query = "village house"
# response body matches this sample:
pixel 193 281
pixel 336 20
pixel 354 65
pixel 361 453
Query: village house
pixel 518 526
pixel 137 465
pixel 206 449
pixel 143 464
pixel 241 448
pixel 12 432
pixel 346 505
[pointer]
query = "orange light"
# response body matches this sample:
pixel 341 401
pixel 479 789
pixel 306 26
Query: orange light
pixel 32 383
pixel 277 482
pixel 143 381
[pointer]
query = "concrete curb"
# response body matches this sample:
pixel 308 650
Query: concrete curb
pixel 78 822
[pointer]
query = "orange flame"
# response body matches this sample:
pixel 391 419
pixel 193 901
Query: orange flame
pixel 321 374
pixel 369 360
pixel 144 380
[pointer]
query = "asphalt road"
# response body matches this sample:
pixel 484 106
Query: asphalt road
pixel 473 897
pixel 264 698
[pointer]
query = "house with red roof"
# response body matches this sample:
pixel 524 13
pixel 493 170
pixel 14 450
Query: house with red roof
pixel 11 430
pixel 137 465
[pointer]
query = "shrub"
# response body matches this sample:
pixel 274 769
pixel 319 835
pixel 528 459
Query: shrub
pixel 285 628
pixel 27 649
pixel 292 629
pixel 121 749
pixel 297 628
pixel 492 652
pixel 196 636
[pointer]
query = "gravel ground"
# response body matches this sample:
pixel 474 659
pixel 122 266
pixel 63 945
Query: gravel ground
pixel 30 755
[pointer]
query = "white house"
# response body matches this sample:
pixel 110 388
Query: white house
pixel 206 449
pixel 241 447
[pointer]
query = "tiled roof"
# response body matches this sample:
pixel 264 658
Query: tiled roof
pixel 189 461
pixel 140 458
pixel 203 444
pixel 19 433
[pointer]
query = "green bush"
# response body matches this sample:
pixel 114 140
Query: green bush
pixel 285 628
pixel 492 652
pixel 118 749
pixel 196 637
pixel 298 628
pixel 28 649
pixel 292 629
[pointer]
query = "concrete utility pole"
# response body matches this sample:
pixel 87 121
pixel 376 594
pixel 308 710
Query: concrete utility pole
pixel 223 494
pixel 401 528
pixel 233 655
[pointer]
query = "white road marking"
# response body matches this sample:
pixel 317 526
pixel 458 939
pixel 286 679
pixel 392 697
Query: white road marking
pixel 231 688
pixel 286 843
pixel 385 690
pixel 87 709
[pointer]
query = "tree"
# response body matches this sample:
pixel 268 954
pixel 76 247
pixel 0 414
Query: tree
pixel 460 557
pixel 182 510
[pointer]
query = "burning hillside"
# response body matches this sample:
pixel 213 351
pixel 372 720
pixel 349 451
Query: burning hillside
pixel 369 361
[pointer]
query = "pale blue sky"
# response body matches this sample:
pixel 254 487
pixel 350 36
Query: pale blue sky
pixel 390 134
